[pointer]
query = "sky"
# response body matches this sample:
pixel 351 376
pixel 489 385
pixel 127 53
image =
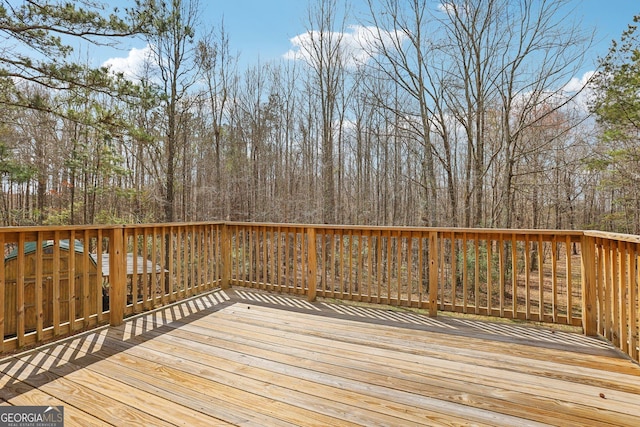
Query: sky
pixel 262 30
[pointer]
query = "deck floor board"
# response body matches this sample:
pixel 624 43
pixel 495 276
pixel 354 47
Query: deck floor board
pixel 248 358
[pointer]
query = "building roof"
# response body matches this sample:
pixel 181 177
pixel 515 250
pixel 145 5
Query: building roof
pixel 30 247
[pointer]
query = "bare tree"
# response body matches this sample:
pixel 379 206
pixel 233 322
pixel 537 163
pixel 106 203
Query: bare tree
pixel 218 68
pixel 174 53
pixel 403 51
pixel 325 54
pixel 473 66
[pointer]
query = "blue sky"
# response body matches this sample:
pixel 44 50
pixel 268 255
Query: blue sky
pixel 609 18
pixel 261 30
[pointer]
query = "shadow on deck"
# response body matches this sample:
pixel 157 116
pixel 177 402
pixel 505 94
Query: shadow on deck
pixel 245 357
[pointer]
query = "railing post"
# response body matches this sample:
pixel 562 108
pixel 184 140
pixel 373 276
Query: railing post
pixel 2 297
pixel 225 255
pixel 433 273
pixel 588 264
pixel 117 276
pixel 312 264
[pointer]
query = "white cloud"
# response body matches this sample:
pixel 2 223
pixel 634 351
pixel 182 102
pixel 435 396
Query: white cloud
pixel 448 8
pixel 357 45
pixel 576 84
pixel 132 65
pixel 452 8
pixel 582 89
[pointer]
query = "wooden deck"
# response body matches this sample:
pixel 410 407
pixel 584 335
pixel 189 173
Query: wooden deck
pixel 242 357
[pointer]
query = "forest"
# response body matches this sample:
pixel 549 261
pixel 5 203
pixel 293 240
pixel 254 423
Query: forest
pixel 459 113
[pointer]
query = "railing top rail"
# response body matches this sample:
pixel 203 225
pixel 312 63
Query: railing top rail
pixel 630 238
pixel 175 224
pixel 457 230
pixel 270 224
pixel 510 231
pixel 36 228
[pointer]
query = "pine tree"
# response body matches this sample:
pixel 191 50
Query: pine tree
pixel 37 47
pixel 617 108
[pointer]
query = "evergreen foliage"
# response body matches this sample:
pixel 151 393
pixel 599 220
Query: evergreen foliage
pixel 616 105
pixel 39 39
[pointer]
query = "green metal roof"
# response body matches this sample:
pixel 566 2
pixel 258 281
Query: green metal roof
pixel 30 247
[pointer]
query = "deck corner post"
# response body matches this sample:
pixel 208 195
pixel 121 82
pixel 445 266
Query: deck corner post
pixel 588 264
pixel 117 276
pixel 312 264
pixel 225 257
pixel 2 299
pixel 433 273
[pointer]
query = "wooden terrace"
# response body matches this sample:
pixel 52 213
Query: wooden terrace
pixel 246 357
pixel 224 323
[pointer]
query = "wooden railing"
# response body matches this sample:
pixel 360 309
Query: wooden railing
pixel 59 280
pixel 581 279
pixel 616 277
pixel 485 272
pixel 576 278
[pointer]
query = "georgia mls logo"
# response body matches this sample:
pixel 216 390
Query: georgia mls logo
pixel 31 416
